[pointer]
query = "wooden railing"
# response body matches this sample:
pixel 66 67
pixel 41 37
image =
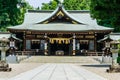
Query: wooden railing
pixel 87 53
pixel 93 53
pixel 25 52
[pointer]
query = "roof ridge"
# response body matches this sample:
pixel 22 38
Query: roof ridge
pixel 74 11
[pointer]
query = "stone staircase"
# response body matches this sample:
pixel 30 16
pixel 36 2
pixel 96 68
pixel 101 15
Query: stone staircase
pixel 61 59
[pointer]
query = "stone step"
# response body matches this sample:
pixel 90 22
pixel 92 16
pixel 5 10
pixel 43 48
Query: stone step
pixel 60 59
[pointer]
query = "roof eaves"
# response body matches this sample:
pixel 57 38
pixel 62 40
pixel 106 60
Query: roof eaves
pixel 53 13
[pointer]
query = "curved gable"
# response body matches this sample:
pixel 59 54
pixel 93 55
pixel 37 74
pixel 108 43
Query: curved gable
pixel 60 15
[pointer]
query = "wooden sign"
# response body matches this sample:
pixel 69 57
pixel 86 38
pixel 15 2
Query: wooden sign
pixel 89 37
pixel 30 36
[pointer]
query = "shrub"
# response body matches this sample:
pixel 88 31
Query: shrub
pixel 118 59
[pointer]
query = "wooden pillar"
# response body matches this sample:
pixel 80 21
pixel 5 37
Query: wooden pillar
pixel 74 45
pixel 24 43
pixel 95 42
pixel 46 45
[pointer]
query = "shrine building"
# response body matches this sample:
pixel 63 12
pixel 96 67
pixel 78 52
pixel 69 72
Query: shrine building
pixel 69 31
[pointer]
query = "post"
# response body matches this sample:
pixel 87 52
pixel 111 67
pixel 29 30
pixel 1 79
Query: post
pixel 74 48
pixel 24 43
pixel 45 48
pixel 95 40
pixel 45 45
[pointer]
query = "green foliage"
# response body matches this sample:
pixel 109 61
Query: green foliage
pixel 106 12
pixel 119 46
pixel 10 14
pixel 49 6
pixel 76 4
pixel 28 6
pixel 118 59
pixel 104 22
pixel 68 4
pixel 3 29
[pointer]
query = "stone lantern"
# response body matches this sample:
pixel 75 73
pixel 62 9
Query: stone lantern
pixel 3 47
pixel 114 49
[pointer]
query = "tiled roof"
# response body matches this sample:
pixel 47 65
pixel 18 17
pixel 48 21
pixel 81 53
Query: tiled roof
pixel 33 17
pixel 58 27
pixel 8 35
pixel 111 37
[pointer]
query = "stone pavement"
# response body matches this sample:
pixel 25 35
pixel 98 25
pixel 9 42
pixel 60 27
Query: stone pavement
pixel 61 59
pixel 53 71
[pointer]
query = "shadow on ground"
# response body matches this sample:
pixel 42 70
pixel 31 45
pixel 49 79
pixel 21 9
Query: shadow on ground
pixel 98 65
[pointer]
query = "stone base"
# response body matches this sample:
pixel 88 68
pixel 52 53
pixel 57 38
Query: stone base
pixel 4 66
pixel 11 59
pixel 106 59
pixel 113 69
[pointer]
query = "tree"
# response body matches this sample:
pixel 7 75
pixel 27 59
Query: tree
pixel 68 4
pixel 106 12
pixel 49 6
pixel 10 14
pixel 23 7
pixel 28 6
pixel 76 4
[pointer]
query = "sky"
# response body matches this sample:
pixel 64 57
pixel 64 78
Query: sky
pixel 37 3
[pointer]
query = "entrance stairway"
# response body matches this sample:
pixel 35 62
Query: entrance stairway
pixel 61 59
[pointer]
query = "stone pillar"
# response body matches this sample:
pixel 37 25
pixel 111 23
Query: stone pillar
pixel 74 46
pixel 114 51
pixel 3 55
pixel 45 48
pixel 45 45
pixel 3 52
pixel 114 58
